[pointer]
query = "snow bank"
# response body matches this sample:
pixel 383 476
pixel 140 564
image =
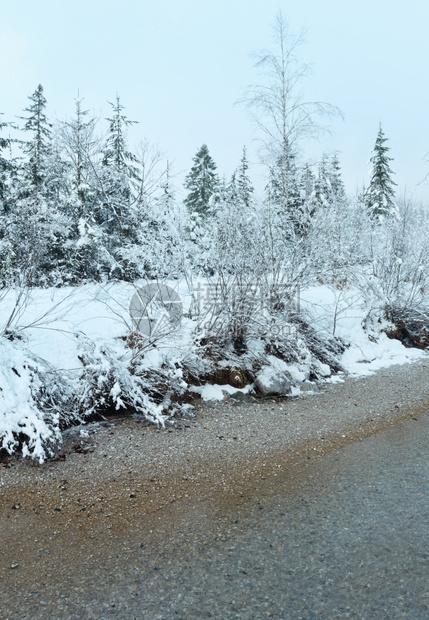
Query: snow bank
pixel 344 313
pixel 72 354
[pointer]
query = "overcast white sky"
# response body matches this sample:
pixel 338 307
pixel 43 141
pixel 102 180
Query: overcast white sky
pixel 179 66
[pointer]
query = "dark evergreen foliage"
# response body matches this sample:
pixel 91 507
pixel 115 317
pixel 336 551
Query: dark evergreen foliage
pixel 5 163
pixel 37 147
pixel 202 182
pixel 380 195
pixel 77 208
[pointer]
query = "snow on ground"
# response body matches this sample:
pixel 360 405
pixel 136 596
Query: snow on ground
pixel 342 313
pixel 218 392
pixel 49 319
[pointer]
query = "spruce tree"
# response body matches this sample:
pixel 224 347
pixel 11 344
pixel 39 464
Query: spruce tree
pixel 38 226
pixel 239 191
pixel 244 185
pixel 79 144
pixel 307 181
pixel 115 152
pixel 4 144
pixel 336 180
pixel 202 183
pixel 38 146
pixel 285 197
pixel 380 195
pixel 322 184
pixel 328 186
pixel 5 164
pixel 118 175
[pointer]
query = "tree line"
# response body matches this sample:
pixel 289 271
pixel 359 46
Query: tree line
pixel 77 207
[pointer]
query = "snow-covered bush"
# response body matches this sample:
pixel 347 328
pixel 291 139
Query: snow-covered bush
pixel 35 402
pixel 110 381
pixel 337 243
pixel 399 257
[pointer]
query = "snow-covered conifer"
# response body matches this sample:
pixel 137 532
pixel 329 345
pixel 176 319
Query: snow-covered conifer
pixel 243 183
pixel 38 145
pixel 5 163
pixel 336 179
pixel 380 195
pixel 118 172
pixel 202 182
pixel 79 145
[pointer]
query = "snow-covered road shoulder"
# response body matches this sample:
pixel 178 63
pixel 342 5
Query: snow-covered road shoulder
pixel 70 353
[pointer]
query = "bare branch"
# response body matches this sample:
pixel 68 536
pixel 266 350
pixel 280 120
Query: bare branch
pixel 276 105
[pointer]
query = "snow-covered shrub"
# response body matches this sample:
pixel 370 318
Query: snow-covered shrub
pixel 164 386
pixel 395 279
pixel 111 381
pixel 324 350
pixel 248 321
pixel 35 402
pixel 337 242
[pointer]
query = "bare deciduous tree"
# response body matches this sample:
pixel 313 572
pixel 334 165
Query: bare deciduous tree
pixel 278 107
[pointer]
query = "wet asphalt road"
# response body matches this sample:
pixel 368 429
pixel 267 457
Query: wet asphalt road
pixel 343 536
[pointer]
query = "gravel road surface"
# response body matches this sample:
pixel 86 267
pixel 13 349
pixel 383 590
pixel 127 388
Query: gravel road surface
pixel 305 508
